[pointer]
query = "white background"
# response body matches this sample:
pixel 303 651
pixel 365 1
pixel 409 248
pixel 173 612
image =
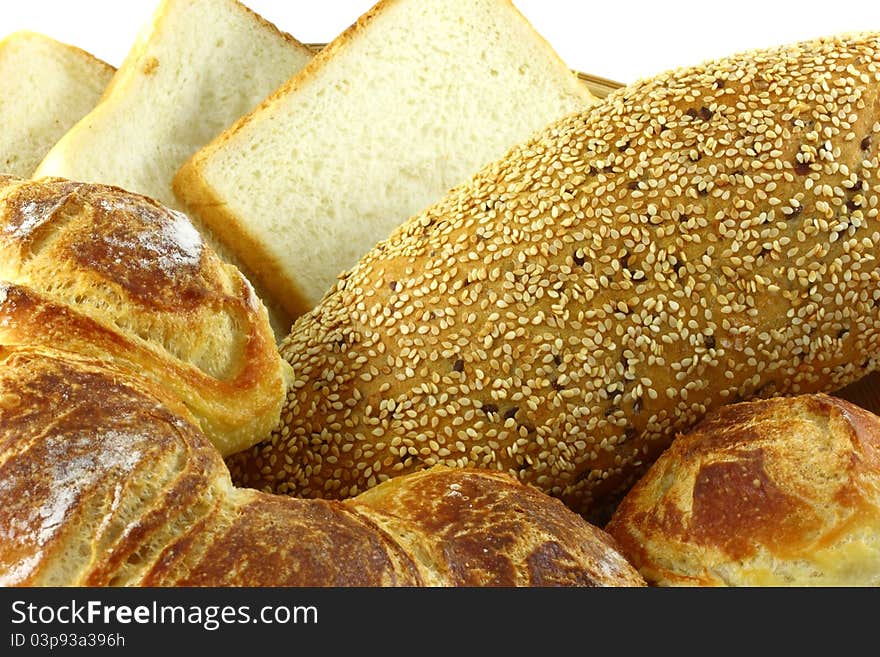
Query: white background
pixel 616 39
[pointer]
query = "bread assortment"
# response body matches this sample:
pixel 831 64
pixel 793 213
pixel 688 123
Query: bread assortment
pixel 697 238
pixel 197 66
pixel 780 492
pixel 124 489
pixel 570 335
pixel 405 104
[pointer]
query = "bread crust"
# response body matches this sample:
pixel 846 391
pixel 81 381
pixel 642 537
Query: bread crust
pixel 27 35
pixel 450 516
pixel 107 480
pixel 697 238
pixel 782 492
pixel 105 273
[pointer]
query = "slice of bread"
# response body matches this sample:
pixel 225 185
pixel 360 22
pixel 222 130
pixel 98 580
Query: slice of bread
pixel 407 103
pixel 198 66
pixel 47 87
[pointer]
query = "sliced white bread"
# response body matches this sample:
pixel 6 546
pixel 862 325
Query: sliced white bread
pixel 194 69
pixel 407 103
pixel 47 87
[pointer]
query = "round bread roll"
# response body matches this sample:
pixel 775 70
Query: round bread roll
pixel 100 271
pixel 782 492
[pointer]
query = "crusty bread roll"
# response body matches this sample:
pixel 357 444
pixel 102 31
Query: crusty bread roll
pixel 782 492
pixel 105 479
pixel 102 272
pixel 704 236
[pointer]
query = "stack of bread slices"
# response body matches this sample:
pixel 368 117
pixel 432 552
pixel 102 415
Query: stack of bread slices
pixel 374 128
pixel 427 258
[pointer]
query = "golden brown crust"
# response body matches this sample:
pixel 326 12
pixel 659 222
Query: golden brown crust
pixel 87 454
pixel 154 254
pixel 115 275
pixel 776 492
pixel 477 528
pixel 105 479
pixel 697 238
pixel 275 541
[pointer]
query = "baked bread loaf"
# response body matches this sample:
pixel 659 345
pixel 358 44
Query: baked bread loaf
pixel 198 66
pixel 47 87
pixel 107 481
pixel 698 238
pixel 780 492
pixel 116 276
pixel 411 100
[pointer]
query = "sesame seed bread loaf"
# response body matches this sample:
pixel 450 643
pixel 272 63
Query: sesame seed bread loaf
pixel 194 69
pixel 101 272
pixel 780 492
pixel 47 87
pixel 410 101
pixel 701 237
pixel 108 481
